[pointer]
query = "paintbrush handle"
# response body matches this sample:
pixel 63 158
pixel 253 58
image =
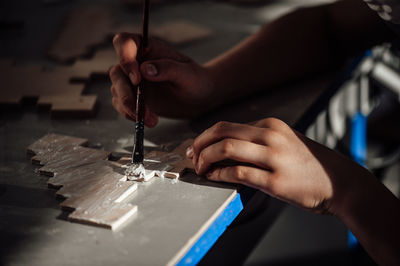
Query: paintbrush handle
pixel 145 24
pixel 137 156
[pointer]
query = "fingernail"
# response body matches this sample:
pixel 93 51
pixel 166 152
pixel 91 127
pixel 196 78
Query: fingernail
pixel 199 165
pixel 189 152
pixel 133 78
pixel 151 70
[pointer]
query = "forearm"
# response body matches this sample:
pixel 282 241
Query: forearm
pixel 372 213
pixel 294 46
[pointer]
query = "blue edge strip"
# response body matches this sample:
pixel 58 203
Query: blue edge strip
pixel 358 149
pixel 207 240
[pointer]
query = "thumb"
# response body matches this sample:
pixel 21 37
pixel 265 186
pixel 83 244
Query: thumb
pixel 164 70
pixel 126 46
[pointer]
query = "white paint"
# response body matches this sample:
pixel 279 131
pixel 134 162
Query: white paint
pixel 127 193
pixel 124 218
pixel 149 174
pixel 135 171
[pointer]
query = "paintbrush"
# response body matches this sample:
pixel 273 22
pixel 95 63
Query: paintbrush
pixel 137 155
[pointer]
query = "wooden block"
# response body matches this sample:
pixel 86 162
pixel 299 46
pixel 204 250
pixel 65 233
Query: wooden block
pixel 95 189
pixel 79 107
pixel 53 143
pixel 180 32
pixel 90 184
pixel 83 28
pixel 59 162
pixel 83 69
pixel 52 91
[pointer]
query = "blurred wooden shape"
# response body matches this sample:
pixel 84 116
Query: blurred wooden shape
pixel 94 188
pixel 83 29
pixel 51 90
pixel 180 32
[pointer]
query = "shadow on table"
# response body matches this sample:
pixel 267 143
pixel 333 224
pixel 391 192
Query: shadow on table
pixel 22 217
pixel 333 258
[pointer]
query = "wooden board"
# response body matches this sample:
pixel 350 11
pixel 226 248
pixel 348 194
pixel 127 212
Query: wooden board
pixel 91 26
pixel 83 69
pixel 180 32
pixel 94 188
pixel 83 28
pixel 51 91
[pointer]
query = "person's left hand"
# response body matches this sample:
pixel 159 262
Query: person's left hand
pixel 276 159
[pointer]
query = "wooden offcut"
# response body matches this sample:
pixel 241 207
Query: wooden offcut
pixel 50 90
pixel 58 90
pixel 94 188
pixel 82 29
pixel 180 32
pixel 89 27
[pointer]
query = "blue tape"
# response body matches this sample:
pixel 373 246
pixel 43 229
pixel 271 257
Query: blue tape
pixel 358 141
pixel 211 235
pixel 358 151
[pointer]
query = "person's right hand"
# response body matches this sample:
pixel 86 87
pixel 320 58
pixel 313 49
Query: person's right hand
pixel 175 86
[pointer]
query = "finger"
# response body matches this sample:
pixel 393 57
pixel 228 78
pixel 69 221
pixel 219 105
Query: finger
pixel 272 123
pixel 113 92
pixel 246 175
pixel 236 150
pixel 121 110
pixel 165 70
pixel 123 90
pixel 150 118
pixel 223 130
pixel 126 46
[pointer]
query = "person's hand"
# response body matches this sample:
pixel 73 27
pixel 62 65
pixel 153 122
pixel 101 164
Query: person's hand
pixel 274 158
pixel 175 85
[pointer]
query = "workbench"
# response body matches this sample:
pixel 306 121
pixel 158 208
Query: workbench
pixel 34 231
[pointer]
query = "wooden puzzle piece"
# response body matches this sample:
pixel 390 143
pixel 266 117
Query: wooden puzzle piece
pixel 175 32
pixel 88 27
pixel 90 185
pixel 51 91
pixel 83 28
pixel 180 32
pixel 52 143
pixel 83 69
pixel 83 106
pixel 93 187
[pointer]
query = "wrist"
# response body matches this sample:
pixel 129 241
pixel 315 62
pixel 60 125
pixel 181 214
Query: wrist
pixel 213 93
pixel 354 194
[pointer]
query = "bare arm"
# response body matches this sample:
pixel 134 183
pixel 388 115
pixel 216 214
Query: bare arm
pixel 296 45
pixel 372 213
